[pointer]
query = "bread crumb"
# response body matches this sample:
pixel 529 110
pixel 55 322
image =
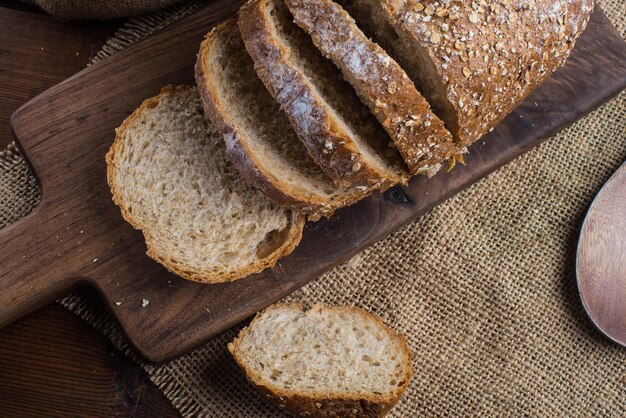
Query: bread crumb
pixel 118 303
pixel 145 303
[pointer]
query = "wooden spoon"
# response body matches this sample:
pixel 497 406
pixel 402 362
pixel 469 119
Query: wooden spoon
pixel 601 259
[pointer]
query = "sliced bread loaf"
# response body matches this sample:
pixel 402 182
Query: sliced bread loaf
pixel 324 362
pixel 258 136
pixel 380 82
pixel 339 132
pixel 474 62
pixel 170 175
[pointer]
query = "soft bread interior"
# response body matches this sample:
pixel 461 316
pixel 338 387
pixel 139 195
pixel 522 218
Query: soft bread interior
pixel 264 129
pixel 330 350
pixel 350 113
pixel 170 174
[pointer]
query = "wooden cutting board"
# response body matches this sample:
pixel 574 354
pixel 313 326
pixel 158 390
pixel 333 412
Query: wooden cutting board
pixel 52 363
pixel 77 236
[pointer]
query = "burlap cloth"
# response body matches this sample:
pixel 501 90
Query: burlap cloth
pixel 483 286
pixel 99 9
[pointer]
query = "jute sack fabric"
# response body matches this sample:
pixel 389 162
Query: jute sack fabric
pixel 99 9
pixel 483 286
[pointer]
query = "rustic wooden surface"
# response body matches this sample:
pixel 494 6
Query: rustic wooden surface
pixel 601 260
pixel 37 52
pixel 77 235
pixel 51 362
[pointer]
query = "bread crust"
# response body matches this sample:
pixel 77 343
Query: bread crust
pixel 296 222
pixel 314 206
pixel 489 58
pixel 382 84
pixel 325 403
pixel 331 147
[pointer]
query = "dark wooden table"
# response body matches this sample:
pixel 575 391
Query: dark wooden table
pixel 52 363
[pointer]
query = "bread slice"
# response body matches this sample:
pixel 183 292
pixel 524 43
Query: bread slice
pixel 259 138
pixel 339 132
pixel 170 175
pixel 324 362
pixel 474 63
pixel 381 83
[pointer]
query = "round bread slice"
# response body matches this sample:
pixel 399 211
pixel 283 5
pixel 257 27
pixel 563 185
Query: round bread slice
pixel 324 362
pixel 170 175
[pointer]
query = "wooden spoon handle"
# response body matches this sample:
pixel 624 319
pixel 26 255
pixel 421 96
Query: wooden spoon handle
pixel 32 272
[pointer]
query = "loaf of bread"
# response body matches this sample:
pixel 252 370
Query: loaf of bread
pixel 474 61
pixel 259 138
pixel 381 83
pixel 340 133
pixel 324 362
pixel 302 136
pixel 169 174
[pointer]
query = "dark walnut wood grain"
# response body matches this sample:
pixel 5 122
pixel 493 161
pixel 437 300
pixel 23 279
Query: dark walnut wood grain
pixel 601 260
pixel 77 235
pixel 20 5
pixel 36 52
pixel 51 362
pixel 52 367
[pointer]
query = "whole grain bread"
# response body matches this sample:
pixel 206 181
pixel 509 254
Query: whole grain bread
pixel 170 176
pixel 324 362
pixel 474 61
pixel 381 83
pixel 339 132
pixel 258 136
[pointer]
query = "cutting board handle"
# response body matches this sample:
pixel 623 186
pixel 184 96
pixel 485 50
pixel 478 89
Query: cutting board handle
pixel 32 272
